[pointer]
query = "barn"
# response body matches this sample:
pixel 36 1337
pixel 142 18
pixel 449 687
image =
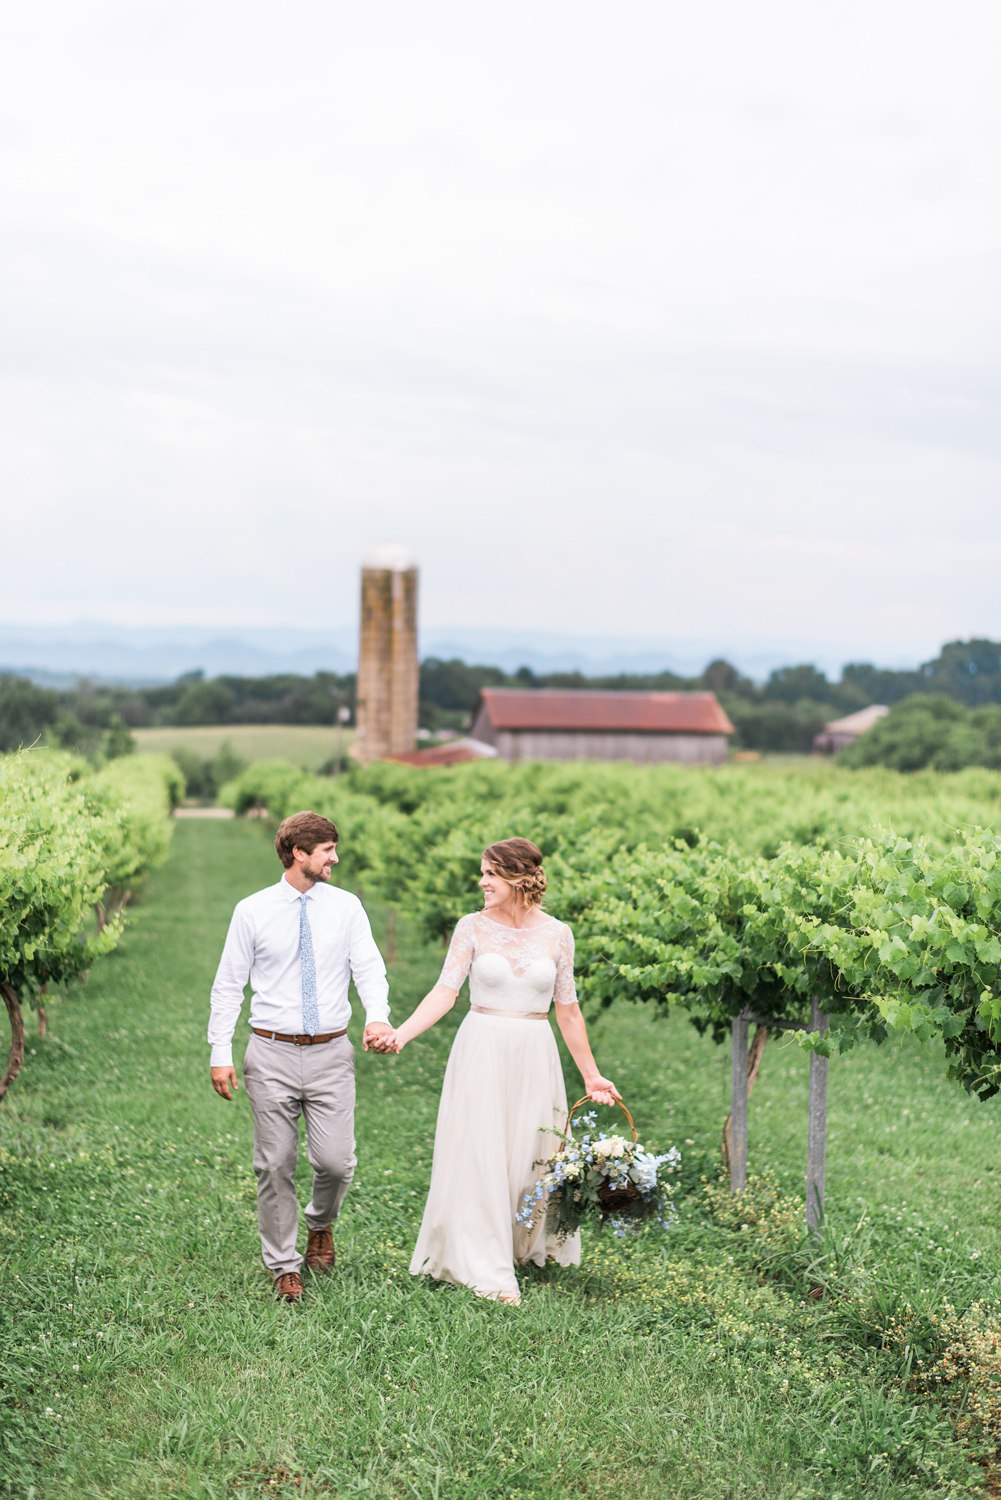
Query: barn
pixel 451 753
pixel 574 724
pixel 842 732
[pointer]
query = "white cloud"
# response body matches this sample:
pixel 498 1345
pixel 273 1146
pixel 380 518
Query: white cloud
pixel 677 320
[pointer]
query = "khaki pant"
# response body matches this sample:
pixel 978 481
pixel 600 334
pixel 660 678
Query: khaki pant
pixel 284 1081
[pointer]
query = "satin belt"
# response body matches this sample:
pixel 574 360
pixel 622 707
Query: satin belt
pixel 511 1015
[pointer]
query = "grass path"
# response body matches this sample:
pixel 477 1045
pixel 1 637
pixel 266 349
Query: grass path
pixel 142 1354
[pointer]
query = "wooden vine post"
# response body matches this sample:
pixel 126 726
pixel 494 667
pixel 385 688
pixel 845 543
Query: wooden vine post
pixel 738 1105
pixel 816 1153
pixel 15 1060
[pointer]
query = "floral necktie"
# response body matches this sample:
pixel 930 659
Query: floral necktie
pixel 310 1014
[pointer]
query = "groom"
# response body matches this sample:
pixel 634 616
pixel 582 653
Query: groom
pixel 300 942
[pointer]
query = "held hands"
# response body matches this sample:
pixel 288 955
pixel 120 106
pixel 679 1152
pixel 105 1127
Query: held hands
pixel 602 1091
pixel 379 1036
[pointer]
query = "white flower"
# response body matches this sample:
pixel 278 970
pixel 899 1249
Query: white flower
pixel 644 1173
pixel 612 1145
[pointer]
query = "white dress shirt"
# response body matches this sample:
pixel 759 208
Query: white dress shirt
pixel 263 945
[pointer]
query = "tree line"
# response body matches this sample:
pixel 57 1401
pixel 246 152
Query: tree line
pixel 784 713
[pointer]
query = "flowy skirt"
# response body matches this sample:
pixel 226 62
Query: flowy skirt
pixel 503 1084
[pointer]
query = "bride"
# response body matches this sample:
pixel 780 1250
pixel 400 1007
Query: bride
pixel 503 1083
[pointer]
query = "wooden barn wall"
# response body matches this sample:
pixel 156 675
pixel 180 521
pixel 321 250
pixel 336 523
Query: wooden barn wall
pixel 645 749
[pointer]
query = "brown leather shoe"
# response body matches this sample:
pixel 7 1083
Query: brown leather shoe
pixel 320 1255
pixel 288 1288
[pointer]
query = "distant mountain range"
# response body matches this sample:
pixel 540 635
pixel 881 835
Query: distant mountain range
pixel 144 657
pixel 59 655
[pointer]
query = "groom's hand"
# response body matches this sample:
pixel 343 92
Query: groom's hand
pixel 224 1081
pixel 374 1030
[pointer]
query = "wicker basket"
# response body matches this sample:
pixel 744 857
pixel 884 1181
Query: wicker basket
pixel 611 1199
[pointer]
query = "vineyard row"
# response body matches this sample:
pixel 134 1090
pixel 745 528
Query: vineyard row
pixel 73 844
pixel 743 892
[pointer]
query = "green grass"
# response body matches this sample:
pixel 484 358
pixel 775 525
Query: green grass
pixel 307 745
pixel 143 1355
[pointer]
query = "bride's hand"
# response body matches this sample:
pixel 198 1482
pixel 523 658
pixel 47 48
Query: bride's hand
pixel 602 1091
pixel 384 1042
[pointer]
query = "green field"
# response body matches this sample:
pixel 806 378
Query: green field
pixel 307 745
pixel 142 1353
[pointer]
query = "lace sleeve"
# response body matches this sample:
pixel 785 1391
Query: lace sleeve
pixel 564 992
pixel 459 956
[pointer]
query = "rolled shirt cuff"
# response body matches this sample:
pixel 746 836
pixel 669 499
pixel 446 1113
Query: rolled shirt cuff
pixel 222 1055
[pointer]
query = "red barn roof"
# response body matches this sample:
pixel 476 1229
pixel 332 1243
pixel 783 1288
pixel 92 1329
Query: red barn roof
pixel 574 709
pixel 453 753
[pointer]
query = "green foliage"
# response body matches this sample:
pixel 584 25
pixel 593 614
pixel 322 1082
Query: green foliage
pixel 27 712
pixel 205 703
pixel 967 670
pixel 226 764
pixel 917 940
pixel 143 790
pixel 715 891
pixel 141 1352
pixel 929 731
pixel 790 684
pixel 716 931
pixel 781 715
pixel 452 684
pixel 889 935
pixel 205 775
pixel 775 727
pixel 70 841
pixel 274 784
pixel 283 698
pixel 967 1370
pixel 119 739
pixel 879 684
pixel 197 771
pixel 57 835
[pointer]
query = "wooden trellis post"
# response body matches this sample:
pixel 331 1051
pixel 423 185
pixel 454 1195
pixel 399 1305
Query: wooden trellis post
pixel 738 1107
pixel 816 1152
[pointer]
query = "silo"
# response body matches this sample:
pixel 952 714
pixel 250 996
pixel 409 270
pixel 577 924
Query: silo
pixel 387 662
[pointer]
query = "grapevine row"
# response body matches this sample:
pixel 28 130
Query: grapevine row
pixel 72 845
pixel 721 892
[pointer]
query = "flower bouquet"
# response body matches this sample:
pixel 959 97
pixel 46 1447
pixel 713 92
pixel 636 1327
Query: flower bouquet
pixel 601 1177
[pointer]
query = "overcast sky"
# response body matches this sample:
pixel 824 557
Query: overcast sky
pixel 653 320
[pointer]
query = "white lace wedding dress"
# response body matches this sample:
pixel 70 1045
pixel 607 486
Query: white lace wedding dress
pixel 503 1083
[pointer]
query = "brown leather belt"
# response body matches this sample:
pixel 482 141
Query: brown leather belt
pixel 300 1038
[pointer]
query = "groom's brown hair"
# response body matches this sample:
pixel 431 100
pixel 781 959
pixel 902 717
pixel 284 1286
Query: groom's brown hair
pixel 303 830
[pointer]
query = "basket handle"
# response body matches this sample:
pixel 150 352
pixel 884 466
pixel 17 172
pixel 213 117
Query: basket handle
pixel 586 1100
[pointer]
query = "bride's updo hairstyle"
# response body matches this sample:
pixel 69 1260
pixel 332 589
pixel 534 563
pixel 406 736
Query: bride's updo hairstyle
pixel 518 862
